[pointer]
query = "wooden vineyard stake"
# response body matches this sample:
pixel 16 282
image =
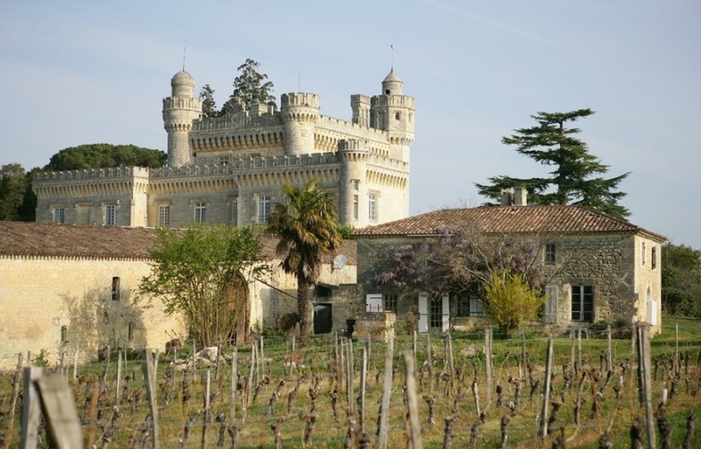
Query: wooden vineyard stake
pixel 59 410
pixel 31 409
pixel 148 366
pixel 415 425
pixel 387 388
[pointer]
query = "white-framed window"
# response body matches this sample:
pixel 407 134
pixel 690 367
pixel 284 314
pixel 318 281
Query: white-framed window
pixel 583 303
pixel 372 206
pixel 549 254
pixel 59 214
pixel 110 214
pixel 200 209
pixel 163 215
pixel 235 212
pixel 263 208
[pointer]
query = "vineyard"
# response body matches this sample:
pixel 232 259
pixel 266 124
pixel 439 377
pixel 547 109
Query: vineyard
pixel 432 391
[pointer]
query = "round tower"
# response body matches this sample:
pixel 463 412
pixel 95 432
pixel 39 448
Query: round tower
pixel 299 112
pixel 394 112
pixel 353 155
pixel 179 110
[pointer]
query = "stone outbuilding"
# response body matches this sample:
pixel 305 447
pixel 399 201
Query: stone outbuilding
pixel 597 269
pixel 69 287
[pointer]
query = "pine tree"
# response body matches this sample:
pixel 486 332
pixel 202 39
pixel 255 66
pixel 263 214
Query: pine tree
pixel 573 179
pixel 251 87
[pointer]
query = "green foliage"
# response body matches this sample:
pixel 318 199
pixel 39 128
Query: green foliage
pixel 307 226
pixel 510 301
pixel 573 179
pixel 209 105
pixel 345 231
pixel 250 87
pixel 15 192
pixel 204 273
pixel 103 155
pixel 681 280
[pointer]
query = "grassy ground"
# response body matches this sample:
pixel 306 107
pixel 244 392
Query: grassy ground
pixel 181 416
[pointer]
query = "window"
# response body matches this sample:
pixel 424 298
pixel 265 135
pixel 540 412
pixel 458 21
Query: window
pixel 130 331
pixel 642 251
pixel 64 334
pixel 200 209
pixel 436 313
pixel 110 214
pixel 372 207
pixel 583 303
pixel 397 115
pixel 59 215
pixel 355 207
pixel 115 288
pixel 469 305
pixel 389 302
pixel 653 257
pixel 549 254
pixel 234 213
pixel 263 208
pixel 164 215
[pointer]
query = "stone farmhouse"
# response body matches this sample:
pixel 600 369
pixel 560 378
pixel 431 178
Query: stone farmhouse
pixel 597 268
pixel 231 169
pixel 68 287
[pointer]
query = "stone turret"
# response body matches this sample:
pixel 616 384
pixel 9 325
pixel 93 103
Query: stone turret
pixel 300 113
pixel 353 155
pixel 394 112
pixel 179 110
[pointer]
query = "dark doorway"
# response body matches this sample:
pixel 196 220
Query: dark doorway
pixel 323 319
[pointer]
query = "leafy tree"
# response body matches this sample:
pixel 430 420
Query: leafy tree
pixel 307 227
pixel 203 272
pixel 103 155
pixel 251 87
pixel 209 105
pixel 12 190
pixel 510 301
pixel 681 280
pixel 574 177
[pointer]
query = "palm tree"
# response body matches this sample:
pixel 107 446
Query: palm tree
pixel 308 229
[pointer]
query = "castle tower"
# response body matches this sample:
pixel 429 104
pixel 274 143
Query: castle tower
pixel 360 104
pixel 179 110
pixel 299 112
pixel 352 154
pixel 394 112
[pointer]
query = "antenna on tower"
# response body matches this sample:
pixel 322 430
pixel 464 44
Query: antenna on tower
pixel 184 54
pixel 391 46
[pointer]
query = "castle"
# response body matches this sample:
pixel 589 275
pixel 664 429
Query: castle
pixel 231 169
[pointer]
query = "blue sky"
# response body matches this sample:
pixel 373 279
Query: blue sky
pixel 75 72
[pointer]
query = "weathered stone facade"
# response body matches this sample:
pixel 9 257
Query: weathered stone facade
pixel 611 268
pixel 231 169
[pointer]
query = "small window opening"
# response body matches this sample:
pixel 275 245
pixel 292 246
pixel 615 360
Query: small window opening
pixel 115 288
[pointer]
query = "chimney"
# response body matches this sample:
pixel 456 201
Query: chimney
pixel 507 197
pixel 520 196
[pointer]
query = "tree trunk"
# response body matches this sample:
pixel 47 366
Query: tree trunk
pixel 304 309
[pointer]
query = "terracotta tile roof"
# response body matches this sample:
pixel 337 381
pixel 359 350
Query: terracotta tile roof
pixel 99 242
pixel 508 220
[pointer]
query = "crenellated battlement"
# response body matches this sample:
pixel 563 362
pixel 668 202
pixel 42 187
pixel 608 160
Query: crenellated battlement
pixel 304 99
pixel 95 173
pixel 193 104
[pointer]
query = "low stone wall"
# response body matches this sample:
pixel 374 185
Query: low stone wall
pixel 377 326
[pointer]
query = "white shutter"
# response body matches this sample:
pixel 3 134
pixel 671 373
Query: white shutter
pixel 446 313
pixel 374 303
pixel 550 312
pixel 423 312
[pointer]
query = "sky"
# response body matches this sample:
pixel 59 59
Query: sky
pixel 74 72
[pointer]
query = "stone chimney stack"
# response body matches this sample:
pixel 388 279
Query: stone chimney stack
pixel 515 196
pixel 520 196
